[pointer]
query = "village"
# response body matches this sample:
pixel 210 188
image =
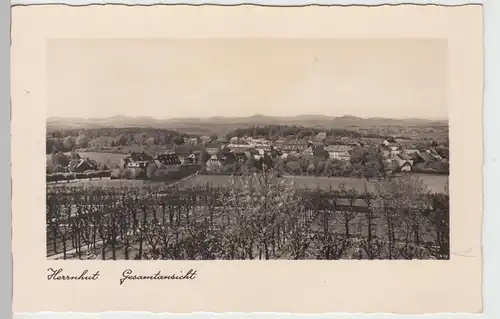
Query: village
pixel 229 156
pixel 324 151
pixel 192 167
pixel 317 155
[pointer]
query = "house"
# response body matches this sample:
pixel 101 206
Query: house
pixel 394 150
pixel 422 157
pixel 263 147
pixel 434 155
pixel 354 143
pixel 168 160
pixel 401 161
pixel 192 141
pixel 138 164
pixel 279 143
pixel 402 164
pixel 404 156
pixel 406 167
pixel 258 141
pixel 339 148
pixel 73 164
pixel 183 152
pixel 389 142
pixel 140 157
pixel 191 159
pixel 294 145
pixel 198 155
pixel 320 137
pixel 410 152
pixel 339 152
pixel 233 140
pixel 136 160
pixel 205 139
pixel 213 164
pixel 82 165
pixel 185 158
pixel 343 156
pixel 212 148
pixel 318 143
pixel 240 147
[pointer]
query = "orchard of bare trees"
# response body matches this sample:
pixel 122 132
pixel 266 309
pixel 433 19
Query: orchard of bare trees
pixel 258 216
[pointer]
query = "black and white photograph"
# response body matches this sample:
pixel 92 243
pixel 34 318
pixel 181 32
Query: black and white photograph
pixel 247 149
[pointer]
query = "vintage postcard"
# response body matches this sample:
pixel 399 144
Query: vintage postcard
pixel 247 159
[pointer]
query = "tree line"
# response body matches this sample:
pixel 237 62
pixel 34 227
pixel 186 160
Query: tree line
pixel 67 140
pixel 277 131
pixel 364 163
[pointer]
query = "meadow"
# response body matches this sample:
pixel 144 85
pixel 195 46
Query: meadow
pixel 434 183
pixel 104 183
pixel 104 158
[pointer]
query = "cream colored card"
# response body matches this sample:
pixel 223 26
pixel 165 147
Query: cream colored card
pixel 72 61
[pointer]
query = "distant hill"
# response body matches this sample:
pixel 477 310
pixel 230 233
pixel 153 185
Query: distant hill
pixel 220 124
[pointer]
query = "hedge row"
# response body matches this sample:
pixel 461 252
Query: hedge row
pixel 430 171
pixel 220 173
pixel 57 177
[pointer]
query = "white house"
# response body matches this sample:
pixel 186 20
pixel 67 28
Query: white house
pixel 234 140
pixel 213 164
pixel 339 152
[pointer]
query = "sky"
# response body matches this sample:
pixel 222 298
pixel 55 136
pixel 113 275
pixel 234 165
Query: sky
pixel 171 78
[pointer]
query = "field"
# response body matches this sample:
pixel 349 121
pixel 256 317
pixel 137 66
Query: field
pixel 105 182
pixel 101 158
pixel 104 158
pixel 435 183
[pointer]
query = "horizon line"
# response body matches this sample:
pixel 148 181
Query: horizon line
pixel 243 116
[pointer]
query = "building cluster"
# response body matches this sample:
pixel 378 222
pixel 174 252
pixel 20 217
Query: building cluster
pixel 398 154
pixel 402 156
pixel 81 165
pixel 284 147
pixel 164 160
